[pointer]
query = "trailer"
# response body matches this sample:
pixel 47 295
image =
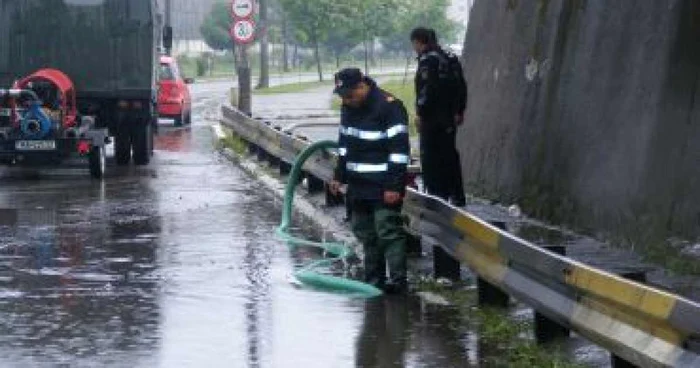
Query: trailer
pixel 108 50
pixel 39 124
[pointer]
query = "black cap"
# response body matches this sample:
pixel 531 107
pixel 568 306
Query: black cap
pixel 346 80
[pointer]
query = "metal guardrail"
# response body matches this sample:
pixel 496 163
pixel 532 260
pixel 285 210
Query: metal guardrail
pixel 643 325
pixel 291 128
pixel 640 325
pixel 272 143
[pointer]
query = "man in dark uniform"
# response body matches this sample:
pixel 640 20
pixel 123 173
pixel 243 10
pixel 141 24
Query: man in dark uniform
pixel 374 153
pixel 440 104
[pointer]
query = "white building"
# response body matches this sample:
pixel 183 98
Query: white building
pixel 187 18
pixel 459 12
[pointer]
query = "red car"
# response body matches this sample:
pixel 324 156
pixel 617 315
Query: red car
pixel 174 100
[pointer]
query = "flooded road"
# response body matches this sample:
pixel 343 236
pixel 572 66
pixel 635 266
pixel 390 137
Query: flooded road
pixel 175 265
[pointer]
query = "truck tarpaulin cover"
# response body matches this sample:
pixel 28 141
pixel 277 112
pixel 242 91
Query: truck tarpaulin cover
pixel 107 47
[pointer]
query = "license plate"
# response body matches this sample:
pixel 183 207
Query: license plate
pixel 35 145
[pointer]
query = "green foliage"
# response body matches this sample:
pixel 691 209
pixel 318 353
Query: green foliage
pixel 202 66
pixel 403 91
pixel 234 143
pixel 292 88
pixel 216 26
pixel 418 13
pixel 339 26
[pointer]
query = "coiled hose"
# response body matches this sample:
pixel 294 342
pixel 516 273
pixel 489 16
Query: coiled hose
pixel 309 275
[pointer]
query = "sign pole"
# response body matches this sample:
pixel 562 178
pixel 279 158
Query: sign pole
pixel 243 33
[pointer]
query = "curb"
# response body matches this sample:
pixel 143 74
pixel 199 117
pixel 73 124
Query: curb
pixel 309 207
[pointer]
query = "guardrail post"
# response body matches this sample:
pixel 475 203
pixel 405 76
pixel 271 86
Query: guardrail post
pixel 616 361
pixel 315 185
pixel 262 155
pixel 488 294
pixel 253 149
pixel 285 168
pixel 546 329
pixel 444 266
pixel 414 247
pixel 331 199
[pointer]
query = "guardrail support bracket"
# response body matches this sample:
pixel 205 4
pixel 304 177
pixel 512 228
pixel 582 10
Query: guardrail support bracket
pixel 546 329
pixel 315 184
pixel 491 296
pixel 444 265
pixel 262 155
pixel 414 246
pixel 616 361
pixel 252 149
pixel 331 199
pixel 285 168
pixel 488 294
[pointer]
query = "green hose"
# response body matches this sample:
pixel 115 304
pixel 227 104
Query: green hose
pixel 308 275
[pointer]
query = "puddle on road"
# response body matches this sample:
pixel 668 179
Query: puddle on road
pixel 176 265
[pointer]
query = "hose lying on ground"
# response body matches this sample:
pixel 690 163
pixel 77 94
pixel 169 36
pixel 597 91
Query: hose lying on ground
pixel 309 275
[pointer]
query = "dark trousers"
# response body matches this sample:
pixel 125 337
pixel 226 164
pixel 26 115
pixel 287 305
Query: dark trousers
pixel 380 229
pixel 440 164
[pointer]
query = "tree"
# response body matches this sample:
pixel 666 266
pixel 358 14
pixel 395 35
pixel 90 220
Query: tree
pixel 216 26
pixel 315 19
pixel 338 26
pixel 263 31
pixel 417 13
pixel 341 40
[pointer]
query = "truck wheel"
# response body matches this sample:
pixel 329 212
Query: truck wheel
pixel 98 162
pixel 122 146
pixel 142 142
pixel 188 118
pixel 154 132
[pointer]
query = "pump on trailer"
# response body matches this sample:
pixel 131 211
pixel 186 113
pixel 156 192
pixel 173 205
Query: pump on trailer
pixel 40 125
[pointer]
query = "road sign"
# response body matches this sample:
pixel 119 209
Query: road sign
pixel 243 31
pixel 242 9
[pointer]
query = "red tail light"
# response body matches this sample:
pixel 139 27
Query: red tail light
pixel 83 147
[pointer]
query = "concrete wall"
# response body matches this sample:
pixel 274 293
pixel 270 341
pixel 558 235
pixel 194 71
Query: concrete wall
pixel 586 111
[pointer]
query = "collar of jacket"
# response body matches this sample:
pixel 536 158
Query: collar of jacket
pixel 427 51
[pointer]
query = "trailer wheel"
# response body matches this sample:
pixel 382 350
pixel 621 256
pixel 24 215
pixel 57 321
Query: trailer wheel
pixel 122 146
pixel 98 162
pixel 142 143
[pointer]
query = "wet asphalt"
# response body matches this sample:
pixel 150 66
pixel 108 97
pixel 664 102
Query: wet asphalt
pixel 175 265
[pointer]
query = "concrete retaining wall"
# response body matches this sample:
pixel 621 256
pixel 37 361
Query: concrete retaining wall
pixel 587 111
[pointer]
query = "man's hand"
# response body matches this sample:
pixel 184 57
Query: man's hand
pixel 459 119
pixel 392 198
pixel 334 187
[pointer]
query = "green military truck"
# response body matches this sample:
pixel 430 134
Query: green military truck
pixel 108 48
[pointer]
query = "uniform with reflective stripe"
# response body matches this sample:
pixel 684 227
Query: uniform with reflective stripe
pixel 373 146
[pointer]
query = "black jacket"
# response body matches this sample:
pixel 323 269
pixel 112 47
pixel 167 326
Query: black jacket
pixel 374 150
pixel 440 89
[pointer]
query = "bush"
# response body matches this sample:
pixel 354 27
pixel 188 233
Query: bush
pixel 202 66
